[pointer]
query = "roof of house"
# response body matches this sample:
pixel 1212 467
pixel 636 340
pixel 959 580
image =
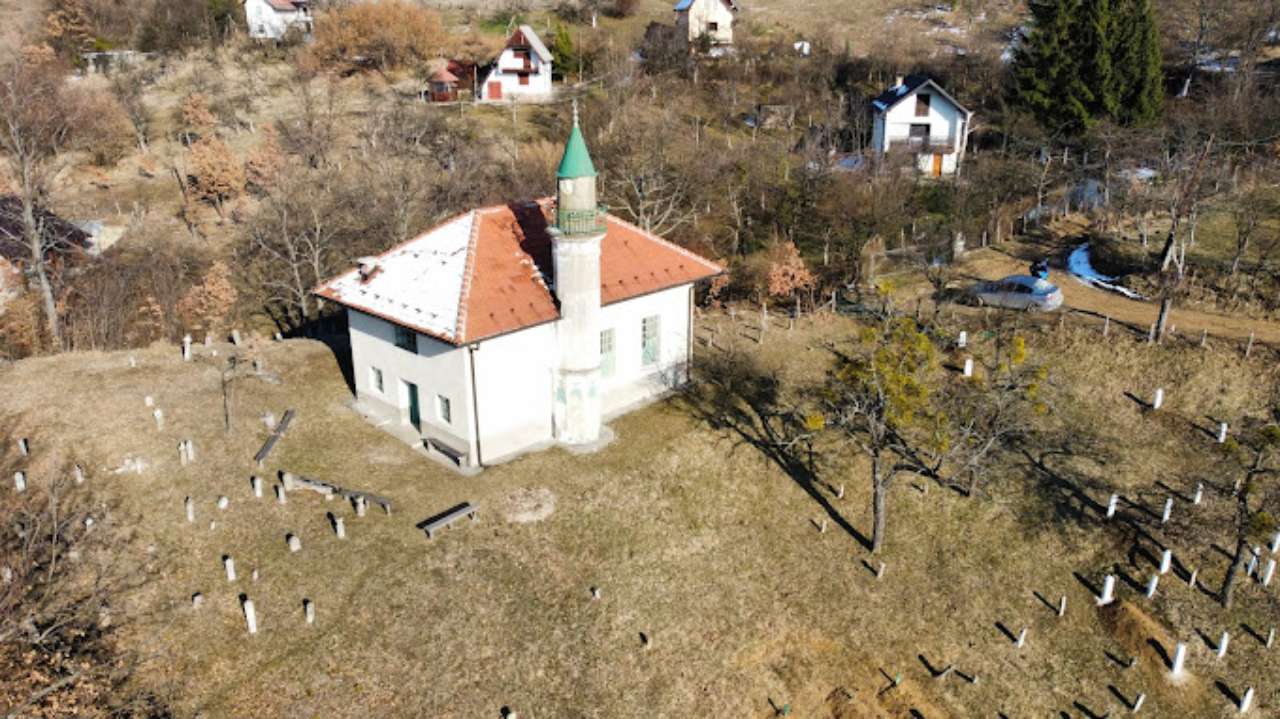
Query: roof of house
pixel 443 75
pixel 525 35
pixel 910 84
pixel 60 235
pixel 684 5
pixel 490 271
pixel 286 5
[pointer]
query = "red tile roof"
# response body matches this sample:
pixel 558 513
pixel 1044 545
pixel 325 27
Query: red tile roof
pixel 443 75
pixel 504 285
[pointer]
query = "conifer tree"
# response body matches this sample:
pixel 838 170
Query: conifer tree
pixel 1096 42
pixel 1138 63
pixel 1047 79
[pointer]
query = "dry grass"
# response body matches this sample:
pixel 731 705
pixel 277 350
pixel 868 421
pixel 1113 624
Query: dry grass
pixel 694 537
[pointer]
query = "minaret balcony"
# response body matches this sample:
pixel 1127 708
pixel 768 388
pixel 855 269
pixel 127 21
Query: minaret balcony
pixel 581 222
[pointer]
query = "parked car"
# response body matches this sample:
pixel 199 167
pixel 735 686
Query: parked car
pixel 1018 292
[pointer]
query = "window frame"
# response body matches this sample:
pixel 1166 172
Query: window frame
pixel 444 409
pixel 651 345
pixel 376 380
pixel 406 339
pixel 924 101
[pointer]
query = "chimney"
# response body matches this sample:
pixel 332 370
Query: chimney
pixel 899 81
pixel 368 268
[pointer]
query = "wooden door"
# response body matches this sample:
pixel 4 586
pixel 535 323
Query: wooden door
pixel 495 91
pixel 937 165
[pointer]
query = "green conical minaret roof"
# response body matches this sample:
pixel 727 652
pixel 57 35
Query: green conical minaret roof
pixel 577 160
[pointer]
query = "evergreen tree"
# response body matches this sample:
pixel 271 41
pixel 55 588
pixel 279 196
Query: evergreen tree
pixel 1047 80
pixel 1096 44
pixel 1138 63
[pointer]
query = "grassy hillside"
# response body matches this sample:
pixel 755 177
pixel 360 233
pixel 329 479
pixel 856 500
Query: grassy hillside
pixel 695 537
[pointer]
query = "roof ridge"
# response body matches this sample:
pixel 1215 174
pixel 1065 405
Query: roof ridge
pixel 667 243
pixel 460 335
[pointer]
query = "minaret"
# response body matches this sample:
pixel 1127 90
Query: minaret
pixel 576 238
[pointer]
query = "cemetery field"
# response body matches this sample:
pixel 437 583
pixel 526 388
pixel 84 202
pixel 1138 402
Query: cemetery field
pixel 718 593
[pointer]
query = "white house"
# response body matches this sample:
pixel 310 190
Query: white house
pixel 712 18
pixel 515 327
pixel 521 72
pixel 917 116
pixel 271 19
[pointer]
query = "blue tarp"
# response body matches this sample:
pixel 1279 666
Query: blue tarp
pixel 1079 265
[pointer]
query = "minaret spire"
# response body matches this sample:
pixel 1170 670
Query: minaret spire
pixel 577 237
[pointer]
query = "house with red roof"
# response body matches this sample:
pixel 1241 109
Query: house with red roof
pixel 521 73
pixel 515 327
pixel 272 19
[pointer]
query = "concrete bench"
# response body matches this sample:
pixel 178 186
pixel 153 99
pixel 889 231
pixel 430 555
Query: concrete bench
pixel 293 481
pixel 431 525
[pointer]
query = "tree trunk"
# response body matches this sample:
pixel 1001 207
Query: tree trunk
pixel 878 492
pixel 35 245
pixel 1166 254
pixel 1162 322
pixel 1237 566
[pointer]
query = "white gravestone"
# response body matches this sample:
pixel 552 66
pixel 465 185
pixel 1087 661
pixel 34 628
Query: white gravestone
pixel 1108 590
pixel 250 616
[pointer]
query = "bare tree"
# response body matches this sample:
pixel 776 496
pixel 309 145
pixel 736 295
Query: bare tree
pixel 62 560
pixel 290 247
pixel 36 124
pixel 1253 457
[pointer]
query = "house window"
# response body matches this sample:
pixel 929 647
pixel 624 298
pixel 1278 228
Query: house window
pixel 443 409
pixel 922 105
pixel 919 134
pixel 713 27
pixel 649 344
pixel 406 339
pixel 375 379
pixel 608 359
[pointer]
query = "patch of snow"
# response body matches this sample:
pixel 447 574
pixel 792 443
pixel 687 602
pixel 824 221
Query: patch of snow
pixel 1081 268
pixel 419 283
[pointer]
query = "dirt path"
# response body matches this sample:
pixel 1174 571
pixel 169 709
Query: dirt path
pixel 992 264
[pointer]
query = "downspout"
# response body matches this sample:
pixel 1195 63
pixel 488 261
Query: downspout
pixel 688 356
pixel 475 402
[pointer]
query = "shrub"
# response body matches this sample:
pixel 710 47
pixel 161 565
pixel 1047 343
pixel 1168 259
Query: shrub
pixel 380 35
pixel 216 174
pixel 106 133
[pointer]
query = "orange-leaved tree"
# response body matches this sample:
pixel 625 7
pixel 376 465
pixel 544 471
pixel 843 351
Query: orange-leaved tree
pixel 382 35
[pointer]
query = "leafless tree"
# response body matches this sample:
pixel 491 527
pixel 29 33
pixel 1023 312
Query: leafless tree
pixel 291 246
pixel 36 123
pixel 63 561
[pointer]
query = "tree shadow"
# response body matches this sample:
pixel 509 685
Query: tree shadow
pixel 742 399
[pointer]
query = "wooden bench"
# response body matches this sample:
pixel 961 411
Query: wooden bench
pixel 431 525
pixel 275 437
